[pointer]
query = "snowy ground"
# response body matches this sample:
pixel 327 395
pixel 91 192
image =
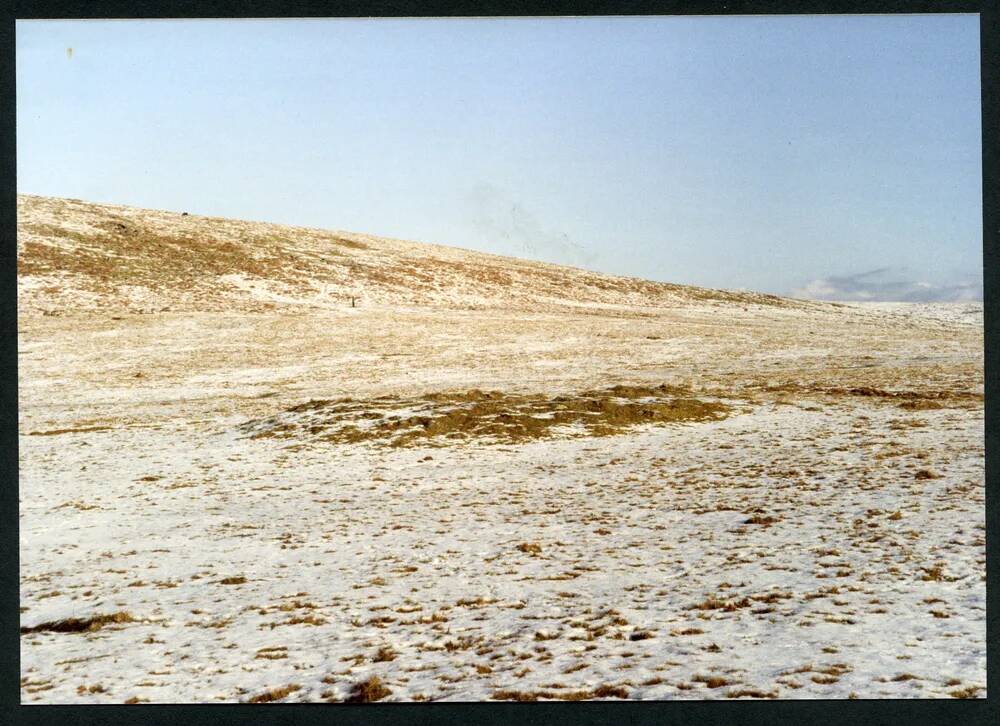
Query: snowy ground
pixel 821 541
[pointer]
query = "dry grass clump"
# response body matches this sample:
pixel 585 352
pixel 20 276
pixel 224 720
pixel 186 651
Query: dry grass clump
pixel 530 548
pixel 522 696
pixel 491 415
pixel 604 691
pixel 80 625
pixel 687 631
pixel 969 692
pixel 276 653
pixel 641 635
pixel 712 681
pixel 57 432
pixel 935 573
pixel 610 692
pixel 368 691
pixel 275 694
pixel 909 400
pixel 750 693
pixel 297 620
pixel 384 654
pixel 714 603
pixel 824 680
pixel 764 521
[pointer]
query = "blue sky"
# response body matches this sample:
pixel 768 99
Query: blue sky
pixel 828 156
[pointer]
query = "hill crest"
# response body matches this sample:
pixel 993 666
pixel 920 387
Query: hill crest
pixel 76 255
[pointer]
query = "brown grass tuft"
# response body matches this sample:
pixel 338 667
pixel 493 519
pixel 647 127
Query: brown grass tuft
pixel 275 694
pixel 610 692
pixel 368 691
pixel 80 625
pixel 764 521
pixel 969 692
pixel 712 681
pixel 687 631
pixel 641 635
pixel 750 693
pixel 582 695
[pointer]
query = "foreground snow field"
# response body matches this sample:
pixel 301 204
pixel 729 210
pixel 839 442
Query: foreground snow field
pixel 276 497
pixel 811 544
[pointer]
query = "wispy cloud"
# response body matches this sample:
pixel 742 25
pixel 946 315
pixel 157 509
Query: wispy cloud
pixel 503 219
pixel 887 284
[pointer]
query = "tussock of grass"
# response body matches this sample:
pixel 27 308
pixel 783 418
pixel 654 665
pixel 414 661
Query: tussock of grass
pixel 969 692
pixel 934 573
pixel 824 680
pixel 750 693
pixel 368 691
pixel 80 625
pixel 610 692
pixel 542 635
pixel 687 631
pixel 714 603
pixel 275 694
pixel 57 432
pixel 764 521
pixel 306 620
pixel 912 400
pixel 712 681
pixel 278 653
pixel 641 635
pixel 604 691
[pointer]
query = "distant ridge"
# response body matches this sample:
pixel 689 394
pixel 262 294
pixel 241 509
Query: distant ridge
pixel 79 256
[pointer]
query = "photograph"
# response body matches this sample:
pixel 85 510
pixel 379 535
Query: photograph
pixel 500 359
